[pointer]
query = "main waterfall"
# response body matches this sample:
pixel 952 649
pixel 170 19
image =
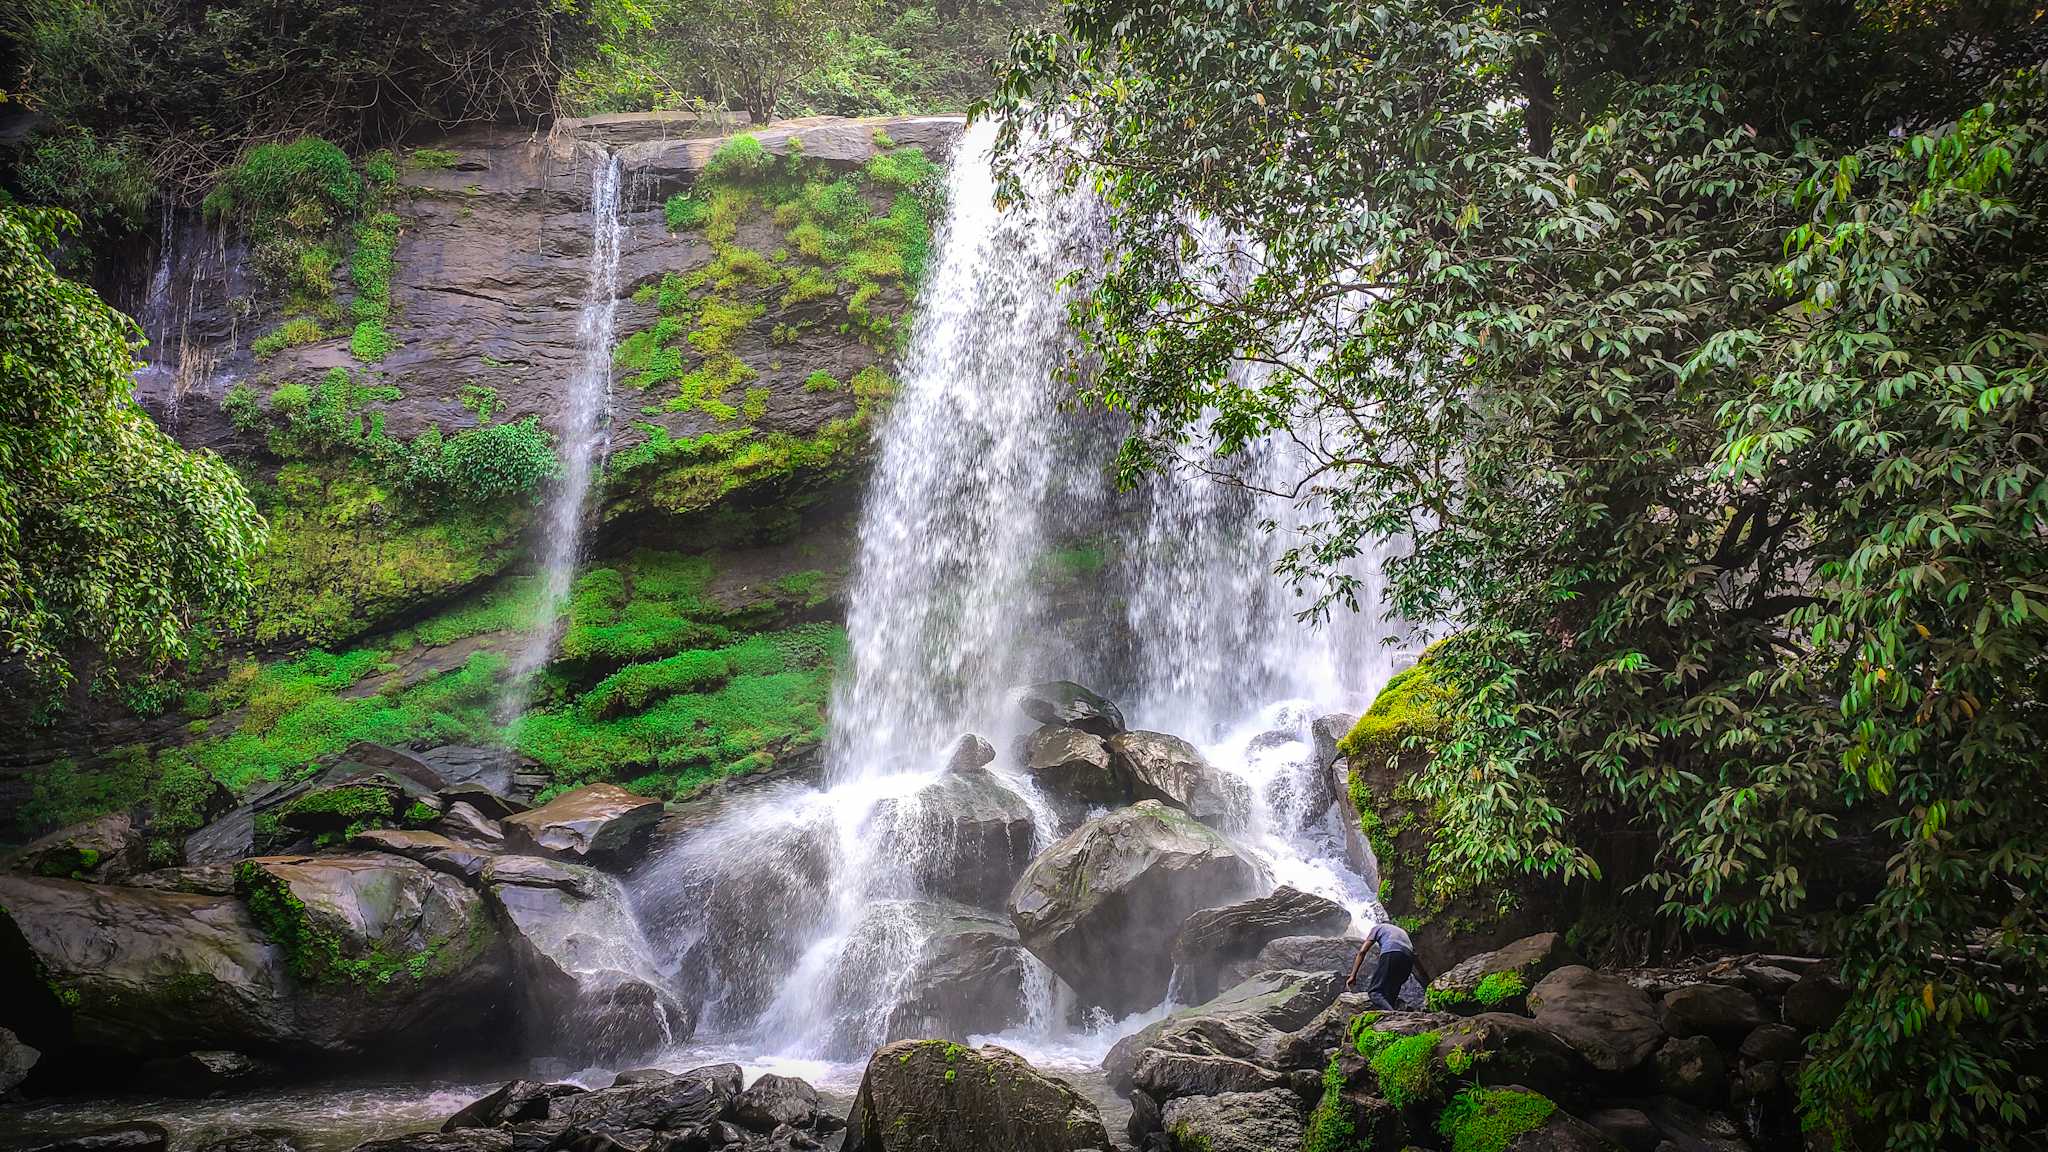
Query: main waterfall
pixel 815 922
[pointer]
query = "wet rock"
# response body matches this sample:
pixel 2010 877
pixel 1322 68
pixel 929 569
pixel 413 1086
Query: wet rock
pixel 1065 704
pixel 967 980
pixel 17 1060
pixel 1627 1127
pixel 396 761
pixel 132 1136
pixel 1773 1042
pixel 1145 1118
pixel 510 1103
pixel 640 1076
pixel 139 971
pixel 1234 1122
pixel 1715 1010
pixel 1166 1075
pixel 587 974
pixel 1101 907
pixel 693 1098
pixel 775 1100
pixel 104 850
pixel 1500 980
pixel 1613 1025
pixel 465 822
pixel 1214 937
pixel 481 801
pixel 1073 769
pixel 437 852
pixel 965 836
pixel 1324 734
pixel 1516 1050
pixel 595 820
pixel 1295 953
pixel 1812 1003
pixel 970 751
pixel 379 945
pixel 1690 1068
pixel 933 1096
pixel 205 1073
pixel 1303 1048
pixel 259 1140
pixel 1169 769
pixel 199 879
pixel 1243 1023
pixel 463 1140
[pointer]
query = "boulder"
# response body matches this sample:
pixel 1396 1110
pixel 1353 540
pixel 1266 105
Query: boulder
pixel 1145 1119
pixel 1504 1048
pixel 1812 1003
pixel 1515 1119
pixel 1296 953
pixel 1065 704
pixel 1244 1023
pixel 1234 1122
pixel 1688 1128
pixel 1214 937
pixel 140 972
pixel 596 820
pixel 509 1103
pixel 967 978
pixel 258 1140
pixel 1073 770
pixel 106 849
pixel 1778 1042
pixel 205 1073
pixel 692 1099
pixel 970 751
pixel 397 762
pixel 379 946
pixel 1626 1127
pixel 590 980
pixel 1718 1011
pixel 466 822
pixel 1168 769
pixel 1500 980
pixel 1165 1075
pixel 1691 1068
pixel 1324 733
pixel 132 1136
pixel 1304 1047
pixel 354 798
pixel 1101 906
pixel 17 1060
pixel 198 879
pixel 437 852
pixel 1609 1022
pixel 934 1096
pixel 774 1100
pixel 965 836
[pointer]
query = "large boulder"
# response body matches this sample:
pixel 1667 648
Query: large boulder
pixel 772 1101
pixel 967 979
pixel 142 972
pixel 1608 1021
pixel 1169 769
pixel 1073 770
pixel 1235 1122
pixel 379 946
pixel 1214 937
pixel 1065 704
pixel 1246 1022
pixel 965 836
pixel 934 1096
pixel 596 820
pixel 1516 1119
pixel 591 982
pixel 1304 1047
pixel 1298 953
pixel 661 1104
pixel 1503 1048
pixel 1691 1068
pixel 17 1060
pixel 1724 1013
pixel 106 849
pixel 1165 1075
pixel 1101 907
pixel 1500 980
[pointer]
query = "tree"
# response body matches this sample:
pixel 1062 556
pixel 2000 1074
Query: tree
pixel 113 538
pixel 755 48
pixel 1696 347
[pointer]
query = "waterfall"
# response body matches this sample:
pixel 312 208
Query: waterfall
pixel 799 915
pixel 583 435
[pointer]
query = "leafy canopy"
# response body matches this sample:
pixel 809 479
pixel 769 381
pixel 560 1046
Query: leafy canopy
pixel 113 538
pixel 1696 348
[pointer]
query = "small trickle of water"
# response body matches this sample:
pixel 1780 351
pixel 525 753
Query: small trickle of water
pixel 583 435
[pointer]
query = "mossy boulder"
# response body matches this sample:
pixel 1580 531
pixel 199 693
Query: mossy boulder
pixel 105 849
pixel 937 1096
pixel 1249 1021
pixel 594 821
pixel 1514 1119
pixel 1235 1122
pixel 1499 981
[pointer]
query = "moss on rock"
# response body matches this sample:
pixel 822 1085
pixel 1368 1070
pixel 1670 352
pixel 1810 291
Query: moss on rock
pixel 1490 1119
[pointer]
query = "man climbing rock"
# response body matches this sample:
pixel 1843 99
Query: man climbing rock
pixel 1397 960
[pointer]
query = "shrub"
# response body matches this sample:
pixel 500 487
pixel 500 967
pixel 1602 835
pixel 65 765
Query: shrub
pixel 293 333
pixel 738 161
pixel 685 212
pixel 273 180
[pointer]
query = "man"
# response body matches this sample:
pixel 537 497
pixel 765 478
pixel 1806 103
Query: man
pixel 1397 960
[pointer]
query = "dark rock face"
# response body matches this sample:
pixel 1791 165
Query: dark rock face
pixel 970 751
pixel 205 1073
pixel 1244 1023
pixel 1234 1122
pixel 595 820
pixel 1613 1025
pixel 143 972
pixel 691 1099
pixel 1065 704
pixel 1779 1042
pixel 1102 906
pixel 511 1103
pixel 1691 1068
pixel 1214 937
pixel 134 1136
pixel 198 879
pixel 1168 769
pixel 464 1140
pixel 966 836
pixel 1330 1028
pixel 17 1060
pixel 1812 1003
pixel 1562 1132
pixel 1165 1075
pixel 932 1096
pixel 1627 1127
pixel 105 850
pixel 1715 1010
pixel 773 1101
pixel 1072 767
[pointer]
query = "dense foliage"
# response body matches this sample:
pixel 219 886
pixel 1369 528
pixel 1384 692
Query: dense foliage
pixel 113 538
pixel 1695 348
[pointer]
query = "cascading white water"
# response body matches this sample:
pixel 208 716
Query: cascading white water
pixel 800 913
pixel 582 436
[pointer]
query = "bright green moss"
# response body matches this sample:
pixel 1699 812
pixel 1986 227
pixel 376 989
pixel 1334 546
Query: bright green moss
pixel 1489 1119
pixel 1407 708
pixel 293 333
pixel 1497 988
pixel 431 159
pixel 1404 1065
pixel 738 160
pixel 1330 1128
pixel 370 267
